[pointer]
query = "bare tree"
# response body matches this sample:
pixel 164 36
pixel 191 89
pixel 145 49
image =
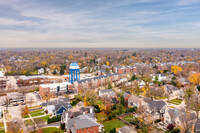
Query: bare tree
pixel 16 126
pixel 7 102
pixel 39 121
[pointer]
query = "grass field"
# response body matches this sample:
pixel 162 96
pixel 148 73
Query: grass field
pixel 34 107
pixel 100 117
pixel 37 113
pixel 2 127
pixel 45 118
pixel 109 125
pixel 49 130
pixel 25 116
pixel 2 131
pixel 128 118
pixel 28 122
pixel 1 124
pixel 176 101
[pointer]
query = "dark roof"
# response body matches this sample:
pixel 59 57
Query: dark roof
pixel 197 126
pixel 58 101
pixel 65 105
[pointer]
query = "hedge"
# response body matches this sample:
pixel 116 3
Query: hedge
pixel 157 120
pixel 54 119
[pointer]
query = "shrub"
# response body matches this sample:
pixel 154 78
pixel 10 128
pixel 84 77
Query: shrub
pixel 110 116
pixel 62 126
pixel 114 107
pixel 97 109
pixel 54 119
pixel 135 122
pixel 158 120
pixel 170 127
pixel 113 130
pixel 176 130
pixel 74 102
pixel 133 109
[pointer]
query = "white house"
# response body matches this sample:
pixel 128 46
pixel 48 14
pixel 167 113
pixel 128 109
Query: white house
pixel 161 77
pixel 2 73
pixel 41 71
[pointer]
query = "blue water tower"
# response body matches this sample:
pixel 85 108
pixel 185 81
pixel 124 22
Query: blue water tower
pixel 74 72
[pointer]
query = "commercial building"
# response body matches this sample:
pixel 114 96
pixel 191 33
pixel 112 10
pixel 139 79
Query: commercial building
pixel 55 87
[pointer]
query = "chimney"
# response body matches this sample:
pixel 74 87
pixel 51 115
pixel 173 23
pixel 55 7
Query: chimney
pixel 66 116
pixel 91 110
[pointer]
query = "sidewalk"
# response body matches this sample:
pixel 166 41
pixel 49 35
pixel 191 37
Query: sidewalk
pixel 34 117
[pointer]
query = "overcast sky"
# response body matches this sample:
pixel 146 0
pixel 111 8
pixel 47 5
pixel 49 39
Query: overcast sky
pixel 100 23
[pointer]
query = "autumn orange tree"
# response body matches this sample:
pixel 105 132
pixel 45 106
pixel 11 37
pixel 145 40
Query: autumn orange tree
pixel 176 69
pixel 195 78
pixel 25 111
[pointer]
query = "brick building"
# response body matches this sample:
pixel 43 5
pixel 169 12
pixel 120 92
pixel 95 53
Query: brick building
pixel 55 87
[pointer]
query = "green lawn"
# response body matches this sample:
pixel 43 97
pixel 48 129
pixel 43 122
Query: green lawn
pixel 1 124
pixel 2 131
pixel 109 125
pixel 37 113
pixel 49 130
pixel 25 116
pixel 100 117
pixel 28 122
pixel 34 107
pixel 128 118
pixel 99 102
pixel 176 101
pixel 45 118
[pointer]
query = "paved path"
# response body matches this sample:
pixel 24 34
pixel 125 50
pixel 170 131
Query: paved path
pixel 35 117
pixel 33 121
pixel 56 124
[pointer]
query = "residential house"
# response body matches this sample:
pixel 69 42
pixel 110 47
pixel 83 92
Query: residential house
pixel 41 71
pixel 108 95
pixel 171 89
pixel 155 108
pixel 161 77
pixel 179 117
pixel 126 129
pixel 183 81
pixel 197 126
pixel 57 107
pixel 80 109
pixel 134 101
pixel 126 96
pixel 85 123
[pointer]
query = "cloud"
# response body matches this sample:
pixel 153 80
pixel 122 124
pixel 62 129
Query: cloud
pixel 187 2
pixel 13 22
pixel 115 23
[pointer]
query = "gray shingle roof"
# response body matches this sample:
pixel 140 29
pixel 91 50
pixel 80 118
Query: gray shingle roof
pixel 197 126
pixel 58 101
pixel 82 121
pixel 126 129
pixel 157 105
